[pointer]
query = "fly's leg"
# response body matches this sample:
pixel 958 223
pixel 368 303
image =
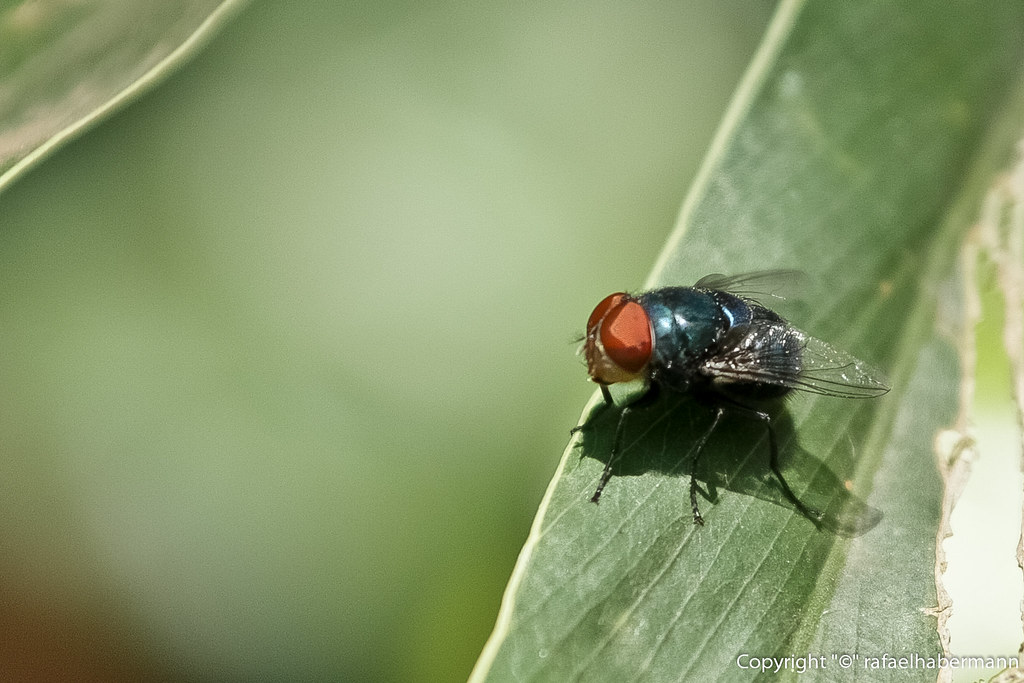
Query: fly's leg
pixel 600 409
pixel 697 519
pixel 644 401
pixel 773 461
pixel 607 473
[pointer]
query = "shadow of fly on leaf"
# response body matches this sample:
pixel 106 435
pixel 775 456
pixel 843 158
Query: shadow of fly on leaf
pixel 665 438
pixel 716 345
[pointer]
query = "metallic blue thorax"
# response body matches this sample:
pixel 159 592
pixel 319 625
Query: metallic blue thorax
pixel 689 326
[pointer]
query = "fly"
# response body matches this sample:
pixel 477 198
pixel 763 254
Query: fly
pixel 714 342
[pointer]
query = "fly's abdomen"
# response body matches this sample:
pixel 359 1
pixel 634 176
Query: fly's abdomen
pixel 763 342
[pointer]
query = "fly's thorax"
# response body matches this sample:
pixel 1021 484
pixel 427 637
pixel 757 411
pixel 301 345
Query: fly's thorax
pixel 688 324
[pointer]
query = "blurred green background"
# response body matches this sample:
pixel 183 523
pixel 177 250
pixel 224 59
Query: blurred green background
pixel 288 345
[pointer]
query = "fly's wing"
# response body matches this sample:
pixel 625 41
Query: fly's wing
pixel 780 355
pixel 773 283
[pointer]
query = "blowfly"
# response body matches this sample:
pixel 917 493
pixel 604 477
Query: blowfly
pixel 717 343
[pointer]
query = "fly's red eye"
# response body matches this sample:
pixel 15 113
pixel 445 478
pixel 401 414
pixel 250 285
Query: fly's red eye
pixel 619 343
pixel 626 334
pixel 607 304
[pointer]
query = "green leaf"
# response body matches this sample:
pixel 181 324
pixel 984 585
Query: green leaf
pixel 857 149
pixel 65 65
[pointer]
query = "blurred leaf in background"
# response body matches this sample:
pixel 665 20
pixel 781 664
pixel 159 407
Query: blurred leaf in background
pixel 67 63
pixel 288 342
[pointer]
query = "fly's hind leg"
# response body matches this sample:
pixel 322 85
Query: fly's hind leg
pixel 773 461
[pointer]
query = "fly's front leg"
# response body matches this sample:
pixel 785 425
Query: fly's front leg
pixel 644 401
pixel 600 409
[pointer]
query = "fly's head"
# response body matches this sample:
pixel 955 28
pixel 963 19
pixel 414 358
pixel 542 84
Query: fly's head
pixel 619 342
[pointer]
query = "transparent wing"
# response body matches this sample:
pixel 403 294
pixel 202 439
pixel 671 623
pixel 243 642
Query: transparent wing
pixel 777 354
pixel 775 283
